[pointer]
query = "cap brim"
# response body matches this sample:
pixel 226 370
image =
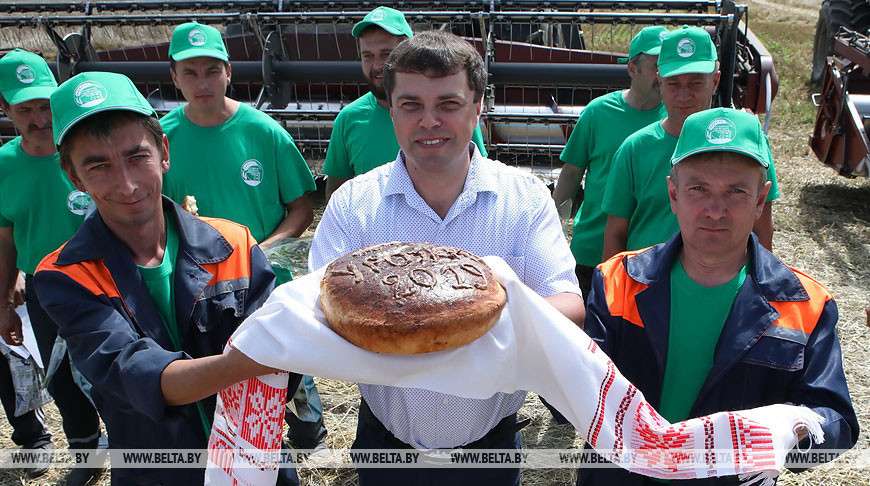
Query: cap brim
pixel 21 95
pixel 147 112
pixel 654 51
pixel 754 156
pixel 675 68
pixel 622 60
pixel 361 26
pixel 189 53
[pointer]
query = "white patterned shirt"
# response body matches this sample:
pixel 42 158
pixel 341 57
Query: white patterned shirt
pixel 501 211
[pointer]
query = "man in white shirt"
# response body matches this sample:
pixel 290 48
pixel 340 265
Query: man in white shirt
pixel 441 190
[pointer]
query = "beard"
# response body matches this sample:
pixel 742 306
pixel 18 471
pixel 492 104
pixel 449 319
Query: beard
pixel 378 90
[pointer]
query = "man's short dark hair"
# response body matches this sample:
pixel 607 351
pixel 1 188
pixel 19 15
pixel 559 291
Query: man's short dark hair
pixel 102 125
pixel 436 54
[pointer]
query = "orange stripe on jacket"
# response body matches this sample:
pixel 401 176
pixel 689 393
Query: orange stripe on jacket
pixel 238 264
pixel 620 288
pixel 92 275
pixel 803 315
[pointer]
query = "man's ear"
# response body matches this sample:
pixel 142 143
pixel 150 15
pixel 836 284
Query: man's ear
pixel 164 164
pixel 762 199
pixel 75 180
pixel 174 78
pixel 716 80
pixel 229 74
pixel 672 193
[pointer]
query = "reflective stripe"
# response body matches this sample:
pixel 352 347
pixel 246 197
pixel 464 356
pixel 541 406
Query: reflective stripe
pixel 225 286
pixel 620 289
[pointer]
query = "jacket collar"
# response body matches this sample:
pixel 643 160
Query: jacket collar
pixel 199 244
pixel 751 316
pixel 94 240
pixel 775 281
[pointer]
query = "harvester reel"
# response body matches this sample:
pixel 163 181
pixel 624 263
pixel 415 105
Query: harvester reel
pixel 81 50
pixel 279 92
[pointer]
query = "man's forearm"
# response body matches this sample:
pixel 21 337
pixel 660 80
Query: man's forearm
pixel 615 236
pixel 570 305
pixel 8 270
pixel 299 216
pixel 567 184
pixel 185 381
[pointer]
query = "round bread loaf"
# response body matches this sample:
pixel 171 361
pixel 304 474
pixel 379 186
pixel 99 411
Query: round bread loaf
pixel 410 298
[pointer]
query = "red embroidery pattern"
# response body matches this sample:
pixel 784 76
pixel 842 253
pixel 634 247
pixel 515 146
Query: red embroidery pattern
pixel 752 443
pixel 709 442
pixel 263 415
pixel 619 427
pixel 592 346
pixel 598 418
pixel 659 450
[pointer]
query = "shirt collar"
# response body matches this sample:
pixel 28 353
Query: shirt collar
pixel 480 177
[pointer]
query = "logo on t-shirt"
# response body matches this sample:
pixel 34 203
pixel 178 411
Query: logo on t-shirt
pixel 721 130
pixel 686 47
pixel 25 74
pixel 196 37
pixel 77 202
pixel 90 93
pixel 252 172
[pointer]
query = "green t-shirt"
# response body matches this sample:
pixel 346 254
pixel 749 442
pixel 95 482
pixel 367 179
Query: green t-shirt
pixel 39 202
pixel 697 316
pixel 637 188
pixel 244 170
pixel 602 127
pixel 363 138
pixel 159 282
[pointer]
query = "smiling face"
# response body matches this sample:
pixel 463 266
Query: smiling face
pixel 375 46
pixel 717 198
pixel 434 119
pixel 203 81
pixel 686 94
pixel 32 119
pixel 123 173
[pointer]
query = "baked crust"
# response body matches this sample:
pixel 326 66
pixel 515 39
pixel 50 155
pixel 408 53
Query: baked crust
pixel 410 298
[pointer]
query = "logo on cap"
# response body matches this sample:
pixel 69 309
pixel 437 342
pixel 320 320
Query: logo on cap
pixel 25 74
pixel 686 47
pixel 90 93
pixel 252 172
pixel 77 202
pixel 721 130
pixel 196 38
pixel 378 15
pixel 662 35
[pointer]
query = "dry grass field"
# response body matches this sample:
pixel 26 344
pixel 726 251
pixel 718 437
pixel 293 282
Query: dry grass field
pixel 822 227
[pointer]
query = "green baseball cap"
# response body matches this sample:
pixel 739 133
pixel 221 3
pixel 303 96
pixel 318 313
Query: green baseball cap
pixel 386 18
pixel 25 76
pixel 687 50
pixel 90 93
pixel 647 41
pixel 722 129
pixel 197 40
